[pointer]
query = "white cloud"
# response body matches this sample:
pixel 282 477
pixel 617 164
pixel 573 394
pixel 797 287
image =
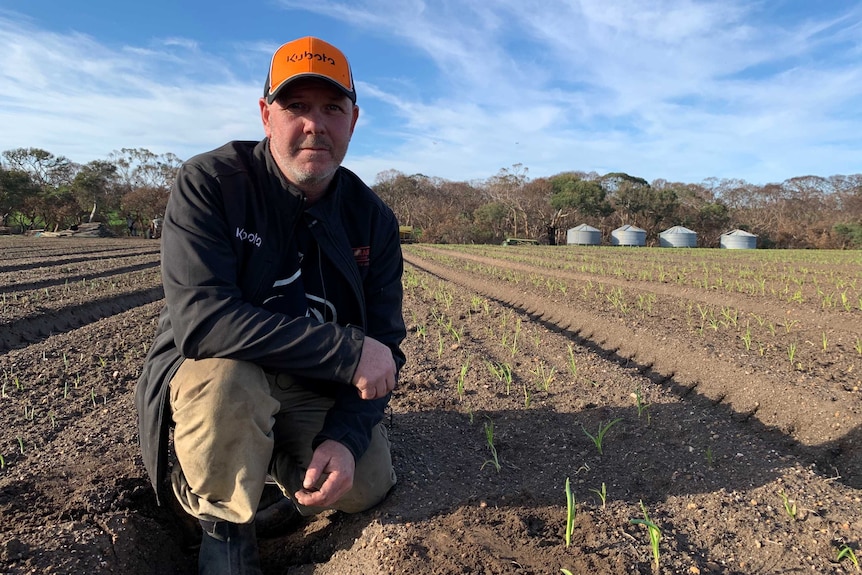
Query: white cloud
pixel 680 90
pixel 72 96
pixel 673 90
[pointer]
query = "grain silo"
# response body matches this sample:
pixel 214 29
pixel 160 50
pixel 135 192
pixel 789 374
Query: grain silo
pixel 583 235
pixel 738 240
pixel 677 237
pixel 628 236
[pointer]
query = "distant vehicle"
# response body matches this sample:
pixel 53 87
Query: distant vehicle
pixel 519 241
pixel 406 235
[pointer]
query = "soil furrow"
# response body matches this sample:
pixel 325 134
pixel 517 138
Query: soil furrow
pixel 36 328
pixel 62 280
pixel 43 264
pixel 683 366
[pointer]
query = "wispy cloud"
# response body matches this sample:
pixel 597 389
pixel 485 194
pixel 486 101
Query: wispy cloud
pixel 73 96
pixel 681 90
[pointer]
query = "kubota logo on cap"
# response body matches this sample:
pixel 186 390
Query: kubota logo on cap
pixel 309 57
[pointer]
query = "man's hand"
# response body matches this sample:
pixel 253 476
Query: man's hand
pixel 375 374
pixel 332 463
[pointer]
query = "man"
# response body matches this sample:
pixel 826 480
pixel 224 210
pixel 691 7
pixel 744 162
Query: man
pixel 278 346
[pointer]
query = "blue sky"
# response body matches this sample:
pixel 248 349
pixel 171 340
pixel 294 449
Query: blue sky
pixel 682 90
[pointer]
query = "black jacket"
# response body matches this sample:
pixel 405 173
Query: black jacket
pixel 228 226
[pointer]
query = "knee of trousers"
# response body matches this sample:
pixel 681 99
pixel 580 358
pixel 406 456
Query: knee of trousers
pixel 223 414
pixel 374 475
pixel 222 387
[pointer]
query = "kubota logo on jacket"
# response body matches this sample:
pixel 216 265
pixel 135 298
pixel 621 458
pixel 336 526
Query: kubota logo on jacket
pixel 251 238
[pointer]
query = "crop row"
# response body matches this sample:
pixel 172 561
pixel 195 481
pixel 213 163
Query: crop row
pixel 765 336
pixel 828 280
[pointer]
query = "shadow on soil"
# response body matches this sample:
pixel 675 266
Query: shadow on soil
pixel 840 459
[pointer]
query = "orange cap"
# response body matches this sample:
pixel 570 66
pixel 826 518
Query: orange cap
pixel 308 57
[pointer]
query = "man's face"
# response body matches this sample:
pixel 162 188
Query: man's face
pixel 309 128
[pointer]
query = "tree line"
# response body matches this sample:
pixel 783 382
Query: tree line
pixel 41 190
pixel 802 212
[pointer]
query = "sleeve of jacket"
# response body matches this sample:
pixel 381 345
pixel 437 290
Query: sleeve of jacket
pixel 351 420
pixel 209 315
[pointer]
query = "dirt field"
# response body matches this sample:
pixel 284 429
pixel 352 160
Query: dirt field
pixel 721 390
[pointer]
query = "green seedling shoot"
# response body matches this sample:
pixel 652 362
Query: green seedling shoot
pixel 489 439
pixel 791 352
pixel 545 376
pixel 506 370
pixel 846 552
pixel 602 493
pixel 571 511
pixel 654 534
pixel 503 372
pixel 642 406
pixel 455 333
pixel 746 338
pixel 461 377
pixel 514 346
pixel 598 439
pixel 789 506
pixel 573 366
pixel 566 572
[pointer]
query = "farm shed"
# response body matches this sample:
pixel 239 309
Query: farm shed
pixel 677 237
pixel 738 240
pixel 628 236
pixel 583 235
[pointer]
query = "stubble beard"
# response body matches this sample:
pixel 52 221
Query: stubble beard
pixel 310 178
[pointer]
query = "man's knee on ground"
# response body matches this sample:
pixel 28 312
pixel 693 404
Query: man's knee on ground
pixel 369 490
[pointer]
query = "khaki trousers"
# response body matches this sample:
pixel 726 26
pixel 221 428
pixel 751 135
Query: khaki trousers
pixel 234 424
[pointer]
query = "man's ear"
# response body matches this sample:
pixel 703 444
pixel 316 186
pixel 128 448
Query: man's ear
pixel 264 116
pixel 355 118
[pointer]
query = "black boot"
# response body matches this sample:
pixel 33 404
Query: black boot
pixel 228 549
pixel 276 514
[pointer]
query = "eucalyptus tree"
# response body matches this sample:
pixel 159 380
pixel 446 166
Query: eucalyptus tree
pixel 96 188
pixel 15 187
pixel 49 200
pixel 583 198
pixel 145 180
pixel 507 189
pixel 45 169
